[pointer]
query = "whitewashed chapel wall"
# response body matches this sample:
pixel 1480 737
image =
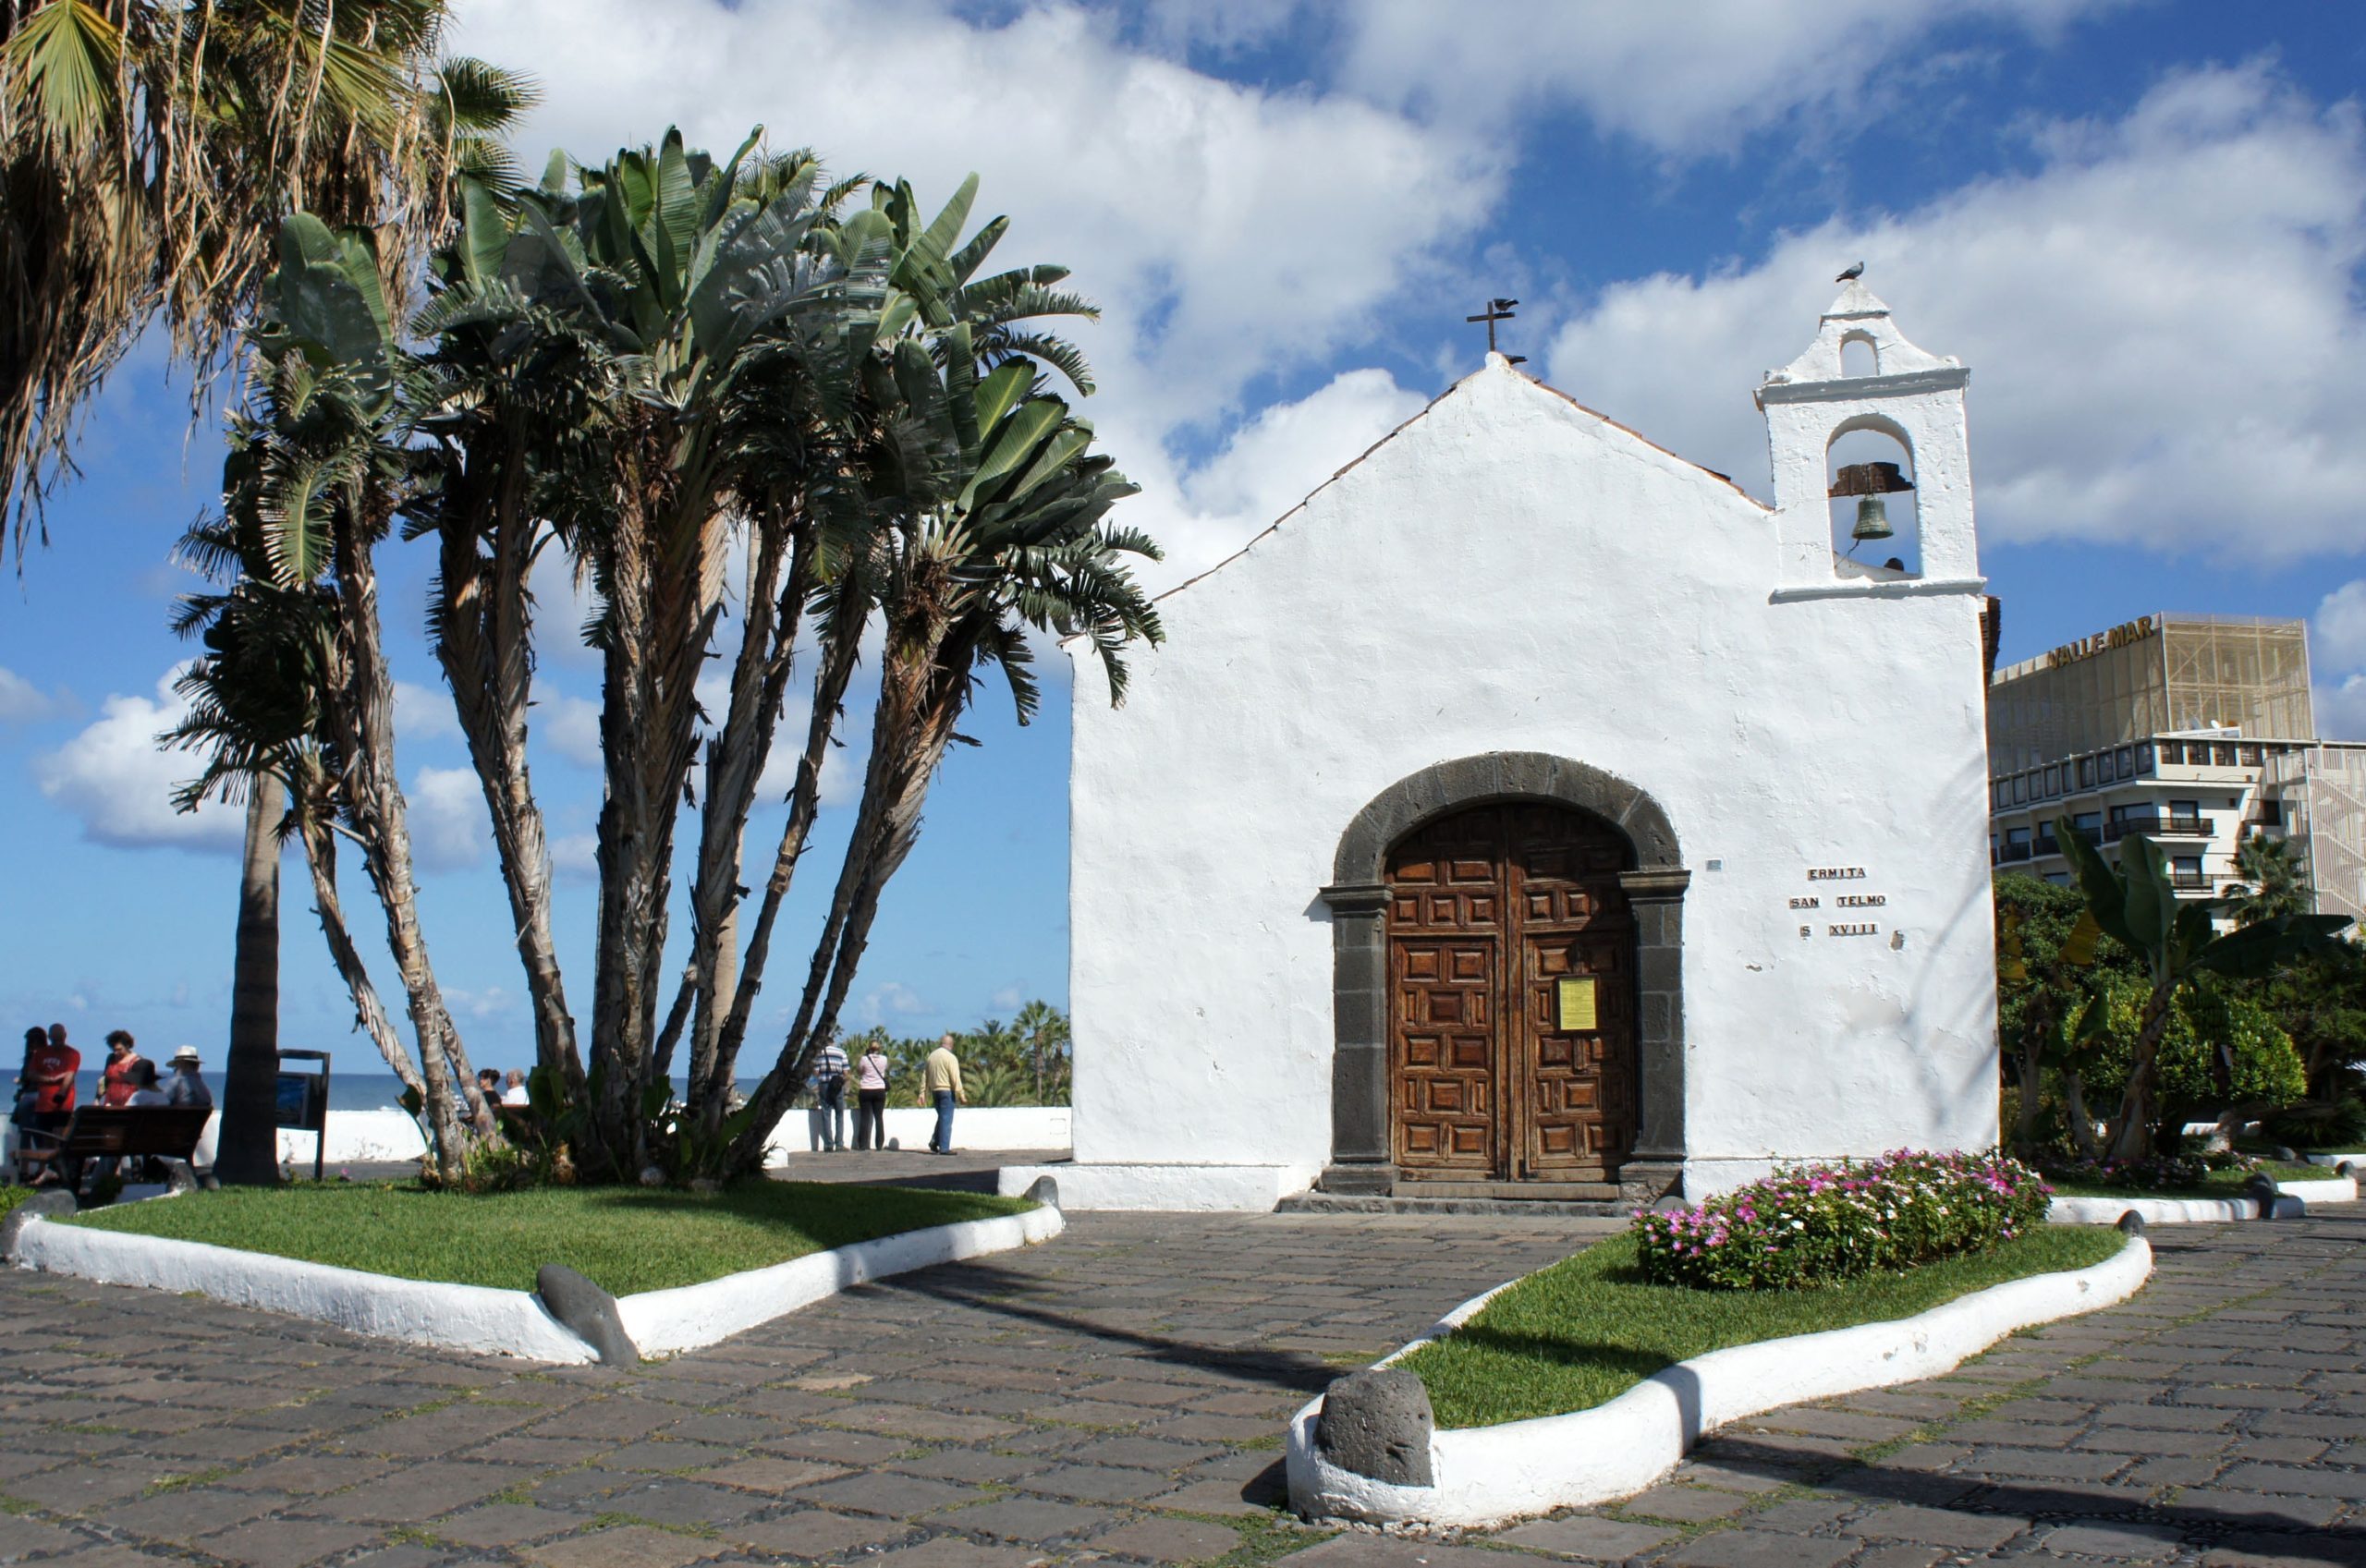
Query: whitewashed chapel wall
pixel 1513 572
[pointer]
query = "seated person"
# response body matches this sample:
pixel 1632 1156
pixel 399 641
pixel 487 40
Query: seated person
pixel 187 1087
pixel 515 1091
pixel 143 1092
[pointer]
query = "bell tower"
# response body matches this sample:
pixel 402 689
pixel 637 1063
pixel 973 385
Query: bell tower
pixel 1861 374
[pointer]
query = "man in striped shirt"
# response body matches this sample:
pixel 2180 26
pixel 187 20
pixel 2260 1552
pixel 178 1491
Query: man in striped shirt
pixel 830 1094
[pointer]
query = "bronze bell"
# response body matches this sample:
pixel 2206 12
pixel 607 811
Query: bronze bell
pixel 1873 520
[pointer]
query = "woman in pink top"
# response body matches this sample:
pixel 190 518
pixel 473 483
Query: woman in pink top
pixel 871 1097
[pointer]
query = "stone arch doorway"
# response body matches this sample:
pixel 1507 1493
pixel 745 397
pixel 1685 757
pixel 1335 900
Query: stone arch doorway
pixel 1614 816
pixel 1511 997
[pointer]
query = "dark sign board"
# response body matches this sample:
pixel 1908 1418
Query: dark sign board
pixel 303 1100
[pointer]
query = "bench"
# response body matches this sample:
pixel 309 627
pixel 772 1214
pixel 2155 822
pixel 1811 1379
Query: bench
pixel 103 1132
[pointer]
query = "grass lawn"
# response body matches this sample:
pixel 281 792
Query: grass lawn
pixel 1589 1328
pixel 2218 1184
pixel 626 1239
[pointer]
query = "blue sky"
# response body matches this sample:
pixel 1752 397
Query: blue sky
pixel 2139 223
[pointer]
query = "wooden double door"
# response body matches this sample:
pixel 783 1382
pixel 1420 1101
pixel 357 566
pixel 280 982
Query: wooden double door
pixel 1493 1072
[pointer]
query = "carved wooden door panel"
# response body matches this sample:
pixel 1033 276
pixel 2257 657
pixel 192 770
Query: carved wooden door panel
pixel 1489 909
pixel 1577 1112
pixel 1445 977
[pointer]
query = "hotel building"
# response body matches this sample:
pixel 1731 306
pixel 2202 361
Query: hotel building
pixel 2194 731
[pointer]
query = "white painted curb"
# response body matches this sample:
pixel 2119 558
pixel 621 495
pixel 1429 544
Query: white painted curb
pixel 1487 1475
pixel 470 1318
pixel 665 1322
pixel 2297 1198
pixel 483 1320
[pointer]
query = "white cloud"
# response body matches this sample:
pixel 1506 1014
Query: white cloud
pixel 1269 222
pixel 891 999
pixel 422 714
pixel 448 828
pixel 571 725
pixel 1689 79
pixel 21 703
pixel 2341 709
pixel 119 783
pixel 489 1003
pixel 1269 465
pixel 2338 635
pixel 2161 320
pixel 1010 999
pixel 575 858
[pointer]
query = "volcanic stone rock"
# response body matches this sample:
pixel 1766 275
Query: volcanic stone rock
pixel 1377 1423
pixel 590 1311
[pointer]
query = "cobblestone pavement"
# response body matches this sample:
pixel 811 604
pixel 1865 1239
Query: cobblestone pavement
pixel 1118 1391
pixel 1117 1396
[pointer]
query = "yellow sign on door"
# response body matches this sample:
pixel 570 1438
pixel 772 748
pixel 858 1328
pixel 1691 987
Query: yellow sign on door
pixel 1576 1004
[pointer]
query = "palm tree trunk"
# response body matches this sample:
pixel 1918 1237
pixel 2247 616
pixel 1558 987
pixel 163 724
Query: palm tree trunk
pixel 911 728
pixel 364 715
pixel 2131 1133
pixel 369 1014
pixel 247 1150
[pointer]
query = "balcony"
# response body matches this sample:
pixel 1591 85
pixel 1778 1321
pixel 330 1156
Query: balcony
pixel 2188 881
pixel 2153 825
pixel 2011 852
pixel 2048 845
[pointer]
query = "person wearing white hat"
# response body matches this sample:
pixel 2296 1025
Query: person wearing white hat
pixel 187 1087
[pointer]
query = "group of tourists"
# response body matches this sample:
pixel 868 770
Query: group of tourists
pixel 45 1087
pixel 47 1092
pixel 941 1079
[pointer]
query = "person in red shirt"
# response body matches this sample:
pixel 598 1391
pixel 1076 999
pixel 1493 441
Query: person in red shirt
pixel 50 1067
pixel 116 1082
pixel 46 1084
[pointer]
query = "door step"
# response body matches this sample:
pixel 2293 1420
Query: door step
pixel 1525 1209
pixel 1514 1192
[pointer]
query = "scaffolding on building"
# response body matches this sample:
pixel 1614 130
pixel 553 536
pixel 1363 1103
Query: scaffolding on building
pixel 2323 791
pixel 2240 672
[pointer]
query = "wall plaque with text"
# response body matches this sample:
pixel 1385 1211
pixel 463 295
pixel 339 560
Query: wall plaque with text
pixel 1574 1002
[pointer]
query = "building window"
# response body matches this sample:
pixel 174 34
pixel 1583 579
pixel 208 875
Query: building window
pixel 2018 838
pixel 2127 757
pixel 2085 773
pixel 2089 822
pixel 2223 755
pixel 2249 755
pixel 2144 758
pixel 2054 781
pixel 2059 879
pixel 2173 753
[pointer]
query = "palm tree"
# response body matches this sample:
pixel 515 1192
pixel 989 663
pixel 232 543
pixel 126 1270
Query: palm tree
pixel 1043 1030
pixel 148 151
pixel 674 361
pixel 2274 881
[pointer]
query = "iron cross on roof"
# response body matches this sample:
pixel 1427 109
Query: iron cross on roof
pixel 1498 310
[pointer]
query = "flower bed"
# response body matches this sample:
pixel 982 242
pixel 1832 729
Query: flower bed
pixel 1820 1224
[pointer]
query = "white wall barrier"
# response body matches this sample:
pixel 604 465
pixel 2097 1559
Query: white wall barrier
pixel 363 1138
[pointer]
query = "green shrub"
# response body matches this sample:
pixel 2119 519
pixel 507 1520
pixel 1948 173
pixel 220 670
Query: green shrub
pixel 1816 1225
pixel 2265 1065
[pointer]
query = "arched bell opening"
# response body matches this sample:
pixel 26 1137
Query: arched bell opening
pixel 1859 356
pixel 1869 477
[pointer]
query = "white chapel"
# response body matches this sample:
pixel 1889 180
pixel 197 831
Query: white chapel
pixel 1532 812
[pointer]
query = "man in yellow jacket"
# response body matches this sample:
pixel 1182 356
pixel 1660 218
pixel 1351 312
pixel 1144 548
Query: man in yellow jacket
pixel 943 1085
